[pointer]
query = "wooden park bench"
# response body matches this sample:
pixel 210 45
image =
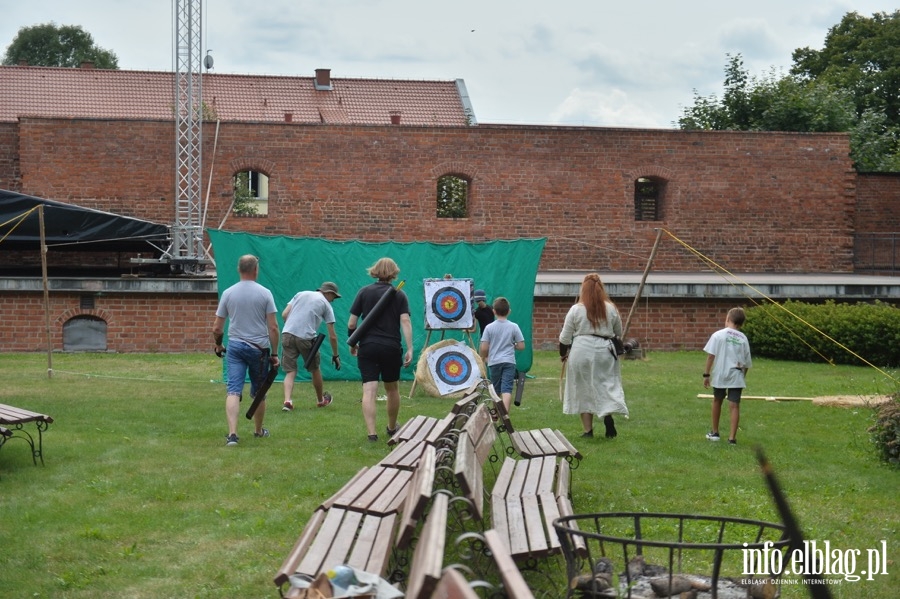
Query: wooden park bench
pixel 371 516
pixel 476 441
pixel 14 421
pixel 430 429
pixel 534 443
pixel 528 495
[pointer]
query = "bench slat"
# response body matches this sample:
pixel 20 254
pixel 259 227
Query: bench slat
pixel 534 525
pixel 428 558
pixel 372 549
pixel 453 586
pixel 420 489
pixel 289 567
pixel 14 415
pixel 320 550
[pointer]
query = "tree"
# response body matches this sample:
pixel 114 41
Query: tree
pixel 48 45
pixel 795 103
pixel 861 55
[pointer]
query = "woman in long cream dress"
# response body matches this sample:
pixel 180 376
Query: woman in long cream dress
pixel 593 377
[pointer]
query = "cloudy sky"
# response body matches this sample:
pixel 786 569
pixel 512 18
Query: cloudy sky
pixel 624 63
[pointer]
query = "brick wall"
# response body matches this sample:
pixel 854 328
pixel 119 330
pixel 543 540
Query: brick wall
pixel 168 323
pixel 878 203
pixel 9 156
pixel 753 202
pixel 183 323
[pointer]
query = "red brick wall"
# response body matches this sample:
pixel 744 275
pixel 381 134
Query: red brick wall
pixel 183 323
pixel 168 323
pixel 753 202
pixel 9 156
pixel 878 203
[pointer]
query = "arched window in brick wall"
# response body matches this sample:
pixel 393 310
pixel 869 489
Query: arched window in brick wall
pixel 84 333
pixel 452 196
pixel 251 193
pixel 649 193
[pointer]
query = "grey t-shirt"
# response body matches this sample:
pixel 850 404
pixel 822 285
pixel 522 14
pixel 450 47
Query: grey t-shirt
pixel 501 337
pixel 246 305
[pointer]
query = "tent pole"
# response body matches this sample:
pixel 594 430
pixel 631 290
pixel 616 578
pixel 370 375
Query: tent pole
pixel 46 292
pixel 640 290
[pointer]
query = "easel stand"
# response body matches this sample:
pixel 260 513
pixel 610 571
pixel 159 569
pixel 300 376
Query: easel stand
pixel 412 389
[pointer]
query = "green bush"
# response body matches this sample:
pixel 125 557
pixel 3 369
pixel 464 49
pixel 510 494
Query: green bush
pixel 886 431
pixel 869 330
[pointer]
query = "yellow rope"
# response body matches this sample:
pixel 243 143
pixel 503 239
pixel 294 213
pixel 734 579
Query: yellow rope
pixel 718 267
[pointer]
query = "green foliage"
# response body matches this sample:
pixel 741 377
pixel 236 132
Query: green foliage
pixel 852 86
pixel 860 55
pixel 49 45
pixel 452 197
pixel 886 431
pixel 244 202
pixel 800 331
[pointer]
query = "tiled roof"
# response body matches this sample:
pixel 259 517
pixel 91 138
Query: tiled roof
pixel 149 95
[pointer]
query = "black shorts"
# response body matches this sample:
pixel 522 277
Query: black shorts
pixel 733 394
pixel 375 360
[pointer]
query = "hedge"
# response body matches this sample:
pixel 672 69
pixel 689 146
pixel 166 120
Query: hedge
pixel 800 331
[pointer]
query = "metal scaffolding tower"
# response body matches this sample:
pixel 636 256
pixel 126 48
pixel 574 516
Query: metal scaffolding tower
pixel 187 252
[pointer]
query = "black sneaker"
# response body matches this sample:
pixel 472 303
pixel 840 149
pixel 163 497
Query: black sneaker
pixel 263 433
pixel 231 440
pixel 373 438
pixel 713 436
pixel 732 441
pixel 391 432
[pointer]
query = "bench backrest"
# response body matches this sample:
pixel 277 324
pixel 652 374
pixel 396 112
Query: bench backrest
pixel 428 559
pixel 512 579
pixel 476 441
pixel 417 497
pixel 453 585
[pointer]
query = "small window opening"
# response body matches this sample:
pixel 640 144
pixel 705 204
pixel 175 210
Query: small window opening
pixel 648 194
pixel 84 333
pixel 251 193
pixel 452 197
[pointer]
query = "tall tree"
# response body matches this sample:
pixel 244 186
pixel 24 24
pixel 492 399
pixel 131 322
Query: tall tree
pixel 862 55
pixel 49 45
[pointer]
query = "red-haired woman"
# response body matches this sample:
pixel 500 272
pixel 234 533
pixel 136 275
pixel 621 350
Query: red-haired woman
pixel 593 377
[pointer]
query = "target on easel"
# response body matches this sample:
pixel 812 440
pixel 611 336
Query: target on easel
pixel 448 304
pixel 452 366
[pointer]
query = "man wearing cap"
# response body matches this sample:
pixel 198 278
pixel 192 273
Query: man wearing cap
pixel 302 317
pixel 484 314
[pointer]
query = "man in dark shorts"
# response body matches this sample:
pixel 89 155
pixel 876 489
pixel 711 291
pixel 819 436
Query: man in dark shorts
pixel 379 351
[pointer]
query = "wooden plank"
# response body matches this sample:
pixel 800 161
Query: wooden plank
pixel 328 503
pixel 387 493
pixel 289 567
pixel 515 519
pixel 13 415
pixel 513 582
pixel 548 475
pixel 532 476
pixel 420 489
pixel 441 428
pixel 550 512
pixel 573 451
pixel 372 550
pixel 468 472
pixel 565 509
pixel 534 526
pixel 428 558
pixel 320 548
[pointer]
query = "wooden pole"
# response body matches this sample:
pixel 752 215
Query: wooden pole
pixel 640 290
pixel 46 293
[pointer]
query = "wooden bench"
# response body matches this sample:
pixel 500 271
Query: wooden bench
pixel 525 500
pixel 476 441
pixel 428 560
pixel 533 443
pixel 430 429
pixel 362 524
pixel 14 420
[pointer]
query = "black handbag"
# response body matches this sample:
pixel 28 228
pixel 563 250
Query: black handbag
pixel 618 345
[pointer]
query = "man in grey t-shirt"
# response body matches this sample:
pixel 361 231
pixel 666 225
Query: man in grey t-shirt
pixel 252 340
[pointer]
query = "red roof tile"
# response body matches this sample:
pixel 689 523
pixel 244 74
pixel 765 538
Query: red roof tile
pixel 149 95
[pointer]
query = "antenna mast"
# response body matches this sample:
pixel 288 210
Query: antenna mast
pixel 187 252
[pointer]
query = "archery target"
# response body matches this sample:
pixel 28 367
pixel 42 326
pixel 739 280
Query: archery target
pixel 448 304
pixel 453 367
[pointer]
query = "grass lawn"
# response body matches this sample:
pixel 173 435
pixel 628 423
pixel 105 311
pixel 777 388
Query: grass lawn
pixel 140 498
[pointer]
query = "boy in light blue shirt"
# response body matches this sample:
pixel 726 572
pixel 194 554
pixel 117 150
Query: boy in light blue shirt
pixel 499 342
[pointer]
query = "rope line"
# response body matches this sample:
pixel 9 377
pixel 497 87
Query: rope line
pixel 721 268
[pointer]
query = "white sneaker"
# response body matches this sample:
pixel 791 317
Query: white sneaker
pixel 713 436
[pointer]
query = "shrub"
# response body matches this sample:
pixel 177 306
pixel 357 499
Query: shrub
pixel 886 431
pixel 870 330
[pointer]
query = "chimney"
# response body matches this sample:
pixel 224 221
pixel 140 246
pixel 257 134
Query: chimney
pixel 87 64
pixel 323 80
pixel 23 63
pixel 395 117
pixel 288 117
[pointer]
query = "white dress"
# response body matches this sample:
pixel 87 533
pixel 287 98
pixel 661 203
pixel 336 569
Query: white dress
pixel 593 374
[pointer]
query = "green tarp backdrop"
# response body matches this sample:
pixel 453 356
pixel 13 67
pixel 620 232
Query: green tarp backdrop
pixel 292 264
